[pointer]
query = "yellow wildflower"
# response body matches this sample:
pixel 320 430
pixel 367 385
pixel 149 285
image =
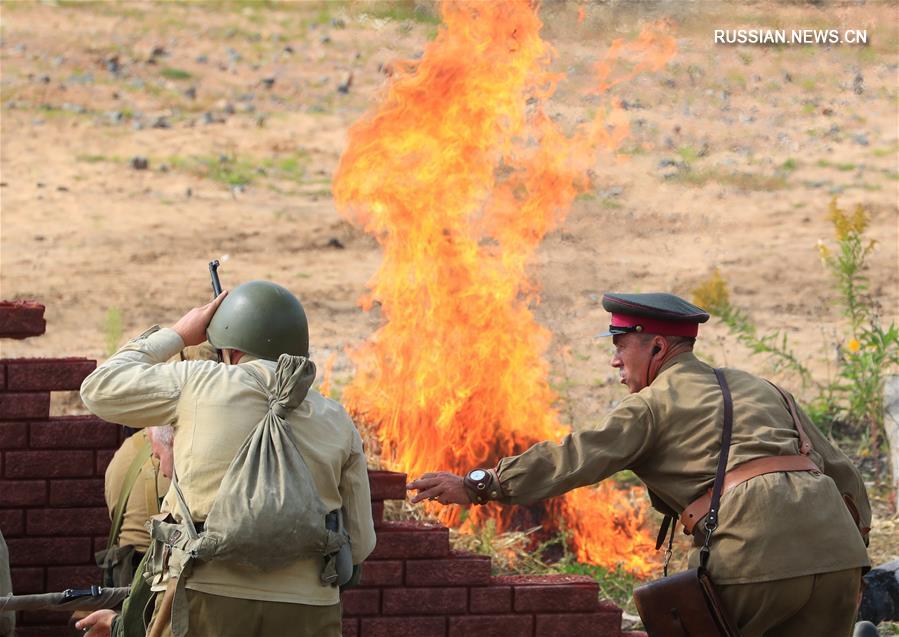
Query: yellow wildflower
pixel 853 346
pixel 712 294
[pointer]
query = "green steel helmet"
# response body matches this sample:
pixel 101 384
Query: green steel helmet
pixel 260 318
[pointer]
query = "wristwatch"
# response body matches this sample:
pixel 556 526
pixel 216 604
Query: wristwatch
pixel 480 484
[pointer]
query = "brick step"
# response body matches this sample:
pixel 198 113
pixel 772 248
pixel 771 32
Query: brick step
pixel 387 485
pixel 21 319
pixel 410 540
pixel 48 374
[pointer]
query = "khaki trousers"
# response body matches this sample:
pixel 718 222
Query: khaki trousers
pixel 822 605
pixel 217 616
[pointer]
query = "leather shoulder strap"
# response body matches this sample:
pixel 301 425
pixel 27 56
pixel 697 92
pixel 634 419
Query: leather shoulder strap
pixel 805 445
pixel 711 521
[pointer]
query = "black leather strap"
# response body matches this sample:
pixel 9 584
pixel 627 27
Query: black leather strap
pixel 711 521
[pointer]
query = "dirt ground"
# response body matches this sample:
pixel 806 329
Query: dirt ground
pixel 241 109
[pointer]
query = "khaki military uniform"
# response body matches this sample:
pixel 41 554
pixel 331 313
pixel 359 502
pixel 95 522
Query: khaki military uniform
pixel 213 408
pixel 7 619
pixel 773 527
pixel 145 496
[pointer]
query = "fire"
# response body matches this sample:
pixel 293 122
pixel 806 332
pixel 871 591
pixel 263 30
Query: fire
pixel 459 174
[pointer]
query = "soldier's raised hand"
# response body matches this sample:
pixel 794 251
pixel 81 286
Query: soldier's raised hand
pixel 192 326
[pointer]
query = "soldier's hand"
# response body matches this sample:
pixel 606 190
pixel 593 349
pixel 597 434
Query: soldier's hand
pixel 443 486
pixel 97 624
pixel 192 326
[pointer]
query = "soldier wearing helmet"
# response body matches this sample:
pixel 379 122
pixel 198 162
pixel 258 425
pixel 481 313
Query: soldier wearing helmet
pixel 213 407
pixel 789 544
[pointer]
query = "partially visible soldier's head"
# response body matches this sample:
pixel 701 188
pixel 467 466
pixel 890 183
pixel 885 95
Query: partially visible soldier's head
pixel 161 441
pixel 647 330
pixel 260 318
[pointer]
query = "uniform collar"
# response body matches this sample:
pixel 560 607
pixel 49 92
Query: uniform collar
pixel 685 357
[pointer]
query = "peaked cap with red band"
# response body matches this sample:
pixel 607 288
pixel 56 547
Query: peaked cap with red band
pixel 654 313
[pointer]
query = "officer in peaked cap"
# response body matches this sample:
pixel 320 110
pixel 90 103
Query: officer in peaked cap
pixel 790 546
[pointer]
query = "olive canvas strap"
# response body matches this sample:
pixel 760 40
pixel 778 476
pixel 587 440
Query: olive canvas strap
pixel 143 454
pixel 711 521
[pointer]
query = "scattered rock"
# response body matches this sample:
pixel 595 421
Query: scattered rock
pixel 202 59
pixel 39 237
pixel 858 83
pixel 261 120
pixel 40 184
pixel 669 83
pixel 112 64
pixel 268 82
pixel 861 139
pixel 43 79
pixel 62 189
pixel 139 162
pixel 161 122
pixel 335 243
pixel 191 93
pixel 827 111
pixel 880 600
pixel 59 60
pixel 246 107
pixel 137 124
pixel 156 52
pixel 338 23
pixel 788 78
pixel 325 39
pixel 288 50
pixel 344 86
pixel 233 56
pixel 188 193
pixel 212 118
pixel 73 108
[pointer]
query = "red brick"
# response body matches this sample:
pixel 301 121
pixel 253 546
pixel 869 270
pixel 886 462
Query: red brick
pixel 427 601
pixel 44 617
pixel 49 464
pixel 87 492
pixel 563 598
pixel 22 493
pixel 459 569
pixel 492 626
pixel 403 627
pixel 53 374
pixel 12 522
pixel 350 628
pixel 87 521
pixel 60 578
pixel 21 319
pixel 580 624
pixel 541 580
pixel 387 485
pixel 49 550
pixel 27 580
pixel 382 573
pixel 2 376
pixel 490 599
pixel 411 540
pixel 377 512
pixel 13 435
pixel 74 432
pixel 361 601
pixel 104 457
pixel 21 405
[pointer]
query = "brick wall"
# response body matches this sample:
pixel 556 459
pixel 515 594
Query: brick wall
pixel 53 516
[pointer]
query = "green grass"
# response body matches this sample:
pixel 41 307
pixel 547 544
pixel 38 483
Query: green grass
pixel 742 181
pixel 171 73
pixel 841 166
pixel 235 170
pixel 113 328
pixel 402 11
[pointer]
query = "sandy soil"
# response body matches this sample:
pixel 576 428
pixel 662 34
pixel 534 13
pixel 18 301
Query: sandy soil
pixel 214 92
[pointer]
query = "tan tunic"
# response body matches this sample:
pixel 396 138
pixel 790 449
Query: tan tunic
pixel 213 408
pixel 774 526
pixel 143 501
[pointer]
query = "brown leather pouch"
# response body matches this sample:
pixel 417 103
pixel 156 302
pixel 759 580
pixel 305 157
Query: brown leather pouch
pixel 683 605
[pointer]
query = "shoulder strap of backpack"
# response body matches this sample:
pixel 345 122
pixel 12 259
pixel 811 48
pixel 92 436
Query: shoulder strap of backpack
pixel 143 454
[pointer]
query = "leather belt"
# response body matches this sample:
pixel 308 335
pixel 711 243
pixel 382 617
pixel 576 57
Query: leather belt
pixel 699 508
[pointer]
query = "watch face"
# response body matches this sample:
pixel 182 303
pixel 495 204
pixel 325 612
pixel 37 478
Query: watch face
pixel 477 475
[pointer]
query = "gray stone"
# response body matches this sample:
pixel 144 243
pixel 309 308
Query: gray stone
pixel 880 600
pixel 140 163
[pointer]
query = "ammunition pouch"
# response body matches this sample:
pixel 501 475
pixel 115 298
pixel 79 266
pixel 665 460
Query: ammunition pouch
pixel 118 564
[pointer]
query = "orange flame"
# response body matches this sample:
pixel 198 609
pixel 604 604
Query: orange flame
pixel 459 174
